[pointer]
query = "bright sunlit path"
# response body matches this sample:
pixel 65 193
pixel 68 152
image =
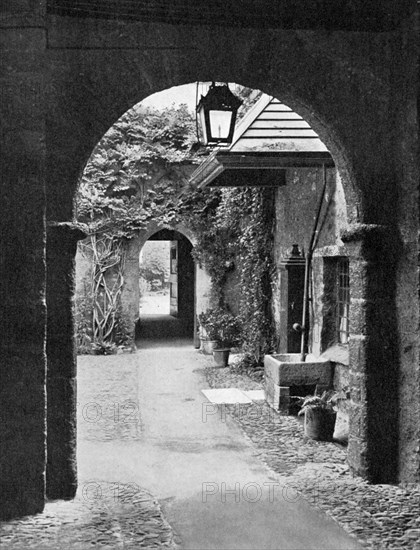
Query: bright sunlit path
pixel 154 278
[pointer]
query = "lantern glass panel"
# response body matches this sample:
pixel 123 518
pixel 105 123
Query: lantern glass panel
pixel 203 125
pixel 220 122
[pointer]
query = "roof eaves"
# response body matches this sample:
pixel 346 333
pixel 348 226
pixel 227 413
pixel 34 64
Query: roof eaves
pixel 207 171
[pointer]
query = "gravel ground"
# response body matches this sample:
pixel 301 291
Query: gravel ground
pixel 380 516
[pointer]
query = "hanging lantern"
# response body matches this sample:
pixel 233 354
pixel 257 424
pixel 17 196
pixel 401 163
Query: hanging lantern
pixel 217 115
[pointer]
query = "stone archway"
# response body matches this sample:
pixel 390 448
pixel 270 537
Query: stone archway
pixel 180 318
pixel 130 292
pixel 367 353
pixel 94 71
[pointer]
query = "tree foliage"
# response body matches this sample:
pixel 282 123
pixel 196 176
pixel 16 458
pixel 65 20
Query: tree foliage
pixel 134 176
pixel 136 171
pixel 140 166
pixel 155 264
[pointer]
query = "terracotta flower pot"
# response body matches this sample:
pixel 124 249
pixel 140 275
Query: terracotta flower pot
pixel 221 357
pixel 207 346
pixel 319 424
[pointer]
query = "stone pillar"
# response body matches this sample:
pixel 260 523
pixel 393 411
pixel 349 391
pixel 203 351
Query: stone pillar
pixel 22 259
pixel 61 360
pixel 374 356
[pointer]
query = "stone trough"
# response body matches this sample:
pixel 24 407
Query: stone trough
pixel 286 370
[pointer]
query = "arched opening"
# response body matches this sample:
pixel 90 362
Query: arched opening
pixel 293 189
pixel 336 249
pixel 167 305
pixel 95 70
pixel 352 209
pixel 289 198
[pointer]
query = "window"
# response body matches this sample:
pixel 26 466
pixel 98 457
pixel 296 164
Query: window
pixel 336 302
pixel 343 300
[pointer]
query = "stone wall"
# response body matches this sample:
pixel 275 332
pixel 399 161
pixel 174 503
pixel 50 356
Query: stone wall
pixel 296 208
pixel 61 467
pixel 61 92
pixel 22 259
pixel 130 294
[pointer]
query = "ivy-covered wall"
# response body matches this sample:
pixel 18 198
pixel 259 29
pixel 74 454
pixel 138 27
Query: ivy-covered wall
pixel 127 307
pixel 293 211
pixel 83 297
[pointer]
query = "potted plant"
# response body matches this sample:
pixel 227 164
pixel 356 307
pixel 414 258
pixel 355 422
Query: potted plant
pixel 223 331
pixel 208 331
pixel 319 415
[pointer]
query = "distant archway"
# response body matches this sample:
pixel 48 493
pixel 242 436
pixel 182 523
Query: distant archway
pixel 179 320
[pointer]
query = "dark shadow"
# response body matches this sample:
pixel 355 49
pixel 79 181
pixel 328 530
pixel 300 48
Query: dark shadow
pixel 170 342
pixel 162 326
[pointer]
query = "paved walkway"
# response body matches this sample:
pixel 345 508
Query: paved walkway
pixel 143 422
pixel 155 303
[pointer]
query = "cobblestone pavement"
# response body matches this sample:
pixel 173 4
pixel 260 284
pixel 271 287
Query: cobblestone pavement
pixel 123 515
pixel 380 516
pixel 103 515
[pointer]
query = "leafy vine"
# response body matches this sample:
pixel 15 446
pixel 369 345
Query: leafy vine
pixel 256 274
pixel 235 229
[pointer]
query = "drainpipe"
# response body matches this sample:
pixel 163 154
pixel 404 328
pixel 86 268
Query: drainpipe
pixel 308 263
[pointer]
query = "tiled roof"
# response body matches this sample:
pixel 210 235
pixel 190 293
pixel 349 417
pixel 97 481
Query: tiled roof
pixel 271 126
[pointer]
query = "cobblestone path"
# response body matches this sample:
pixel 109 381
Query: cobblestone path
pixel 103 515
pixel 380 516
pixel 143 441
pixel 108 512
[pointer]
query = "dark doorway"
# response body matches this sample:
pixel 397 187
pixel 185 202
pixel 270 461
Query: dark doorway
pixel 179 322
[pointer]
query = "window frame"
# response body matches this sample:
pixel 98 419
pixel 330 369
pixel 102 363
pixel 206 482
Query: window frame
pixel 335 307
pixel 342 300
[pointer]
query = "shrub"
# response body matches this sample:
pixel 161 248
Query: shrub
pixel 221 325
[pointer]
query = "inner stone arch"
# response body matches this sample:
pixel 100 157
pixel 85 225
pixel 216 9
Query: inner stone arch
pixel 179 318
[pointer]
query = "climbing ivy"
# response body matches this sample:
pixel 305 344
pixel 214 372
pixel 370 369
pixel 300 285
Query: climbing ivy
pixel 99 320
pixel 137 170
pixel 256 273
pixel 234 228
pixel 200 210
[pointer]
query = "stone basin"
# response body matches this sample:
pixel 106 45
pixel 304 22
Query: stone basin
pixel 284 370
